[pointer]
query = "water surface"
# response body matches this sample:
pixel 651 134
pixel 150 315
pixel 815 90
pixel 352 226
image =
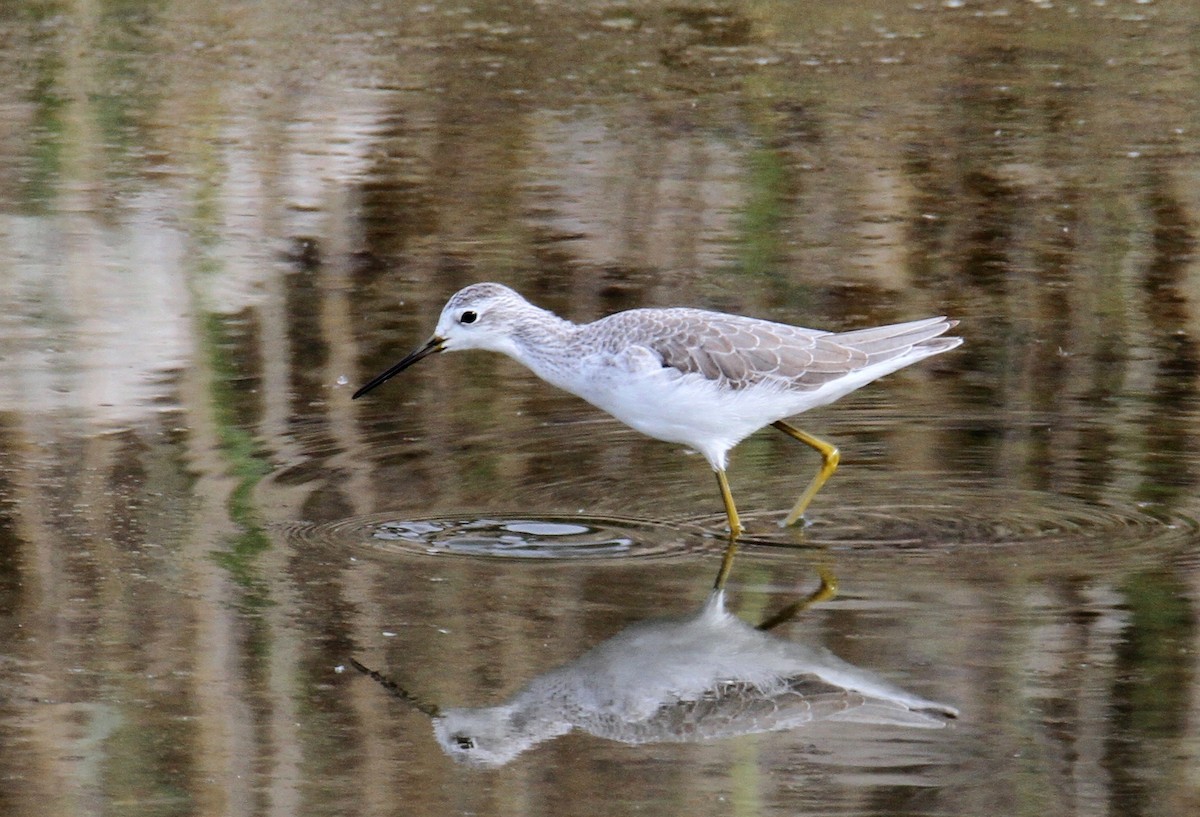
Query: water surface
pixel 218 220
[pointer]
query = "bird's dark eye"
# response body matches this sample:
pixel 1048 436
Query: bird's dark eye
pixel 463 741
pixel 470 316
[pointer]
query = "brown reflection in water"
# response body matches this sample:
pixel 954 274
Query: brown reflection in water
pixel 316 182
pixel 98 677
pixel 1044 264
pixel 1171 446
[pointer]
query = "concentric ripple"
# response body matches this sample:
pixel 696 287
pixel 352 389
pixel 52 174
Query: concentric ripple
pixel 990 520
pixel 511 536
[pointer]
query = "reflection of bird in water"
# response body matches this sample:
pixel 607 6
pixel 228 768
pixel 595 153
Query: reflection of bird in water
pixel 703 379
pixel 704 676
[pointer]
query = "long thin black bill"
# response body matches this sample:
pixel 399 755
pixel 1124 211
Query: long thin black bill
pixel 434 344
pixel 397 690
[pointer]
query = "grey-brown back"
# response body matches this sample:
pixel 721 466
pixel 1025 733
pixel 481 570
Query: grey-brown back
pixel 741 352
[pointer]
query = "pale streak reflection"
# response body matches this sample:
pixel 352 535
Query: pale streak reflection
pixel 699 677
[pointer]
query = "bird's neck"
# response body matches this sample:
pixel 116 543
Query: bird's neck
pixel 541 341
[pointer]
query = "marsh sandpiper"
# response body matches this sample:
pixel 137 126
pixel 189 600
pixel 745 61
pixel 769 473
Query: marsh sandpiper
pixel 704 379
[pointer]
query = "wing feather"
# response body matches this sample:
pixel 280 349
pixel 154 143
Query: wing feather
pixel 741 352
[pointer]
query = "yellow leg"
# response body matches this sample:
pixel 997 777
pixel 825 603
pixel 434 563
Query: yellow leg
pixel 827 590
pixel 735 523
pixel 726 564
pixel 829 463
pixel 735 530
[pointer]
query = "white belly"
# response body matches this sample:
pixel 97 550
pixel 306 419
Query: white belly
pixel 685 409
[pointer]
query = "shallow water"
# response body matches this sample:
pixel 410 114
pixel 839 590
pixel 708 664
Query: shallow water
pixel 218 220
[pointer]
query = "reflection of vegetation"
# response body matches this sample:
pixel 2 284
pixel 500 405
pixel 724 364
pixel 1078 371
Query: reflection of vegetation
pixel 1154 685
pixel 242 452
pixel 1153 689
pixel 231 415
pixel 11 567
pixel 150 757
pixel 86 74
pixel 46 133
pixel 1169 471
pixel 763 216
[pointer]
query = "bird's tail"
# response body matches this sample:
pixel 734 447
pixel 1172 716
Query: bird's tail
pixel 882 343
